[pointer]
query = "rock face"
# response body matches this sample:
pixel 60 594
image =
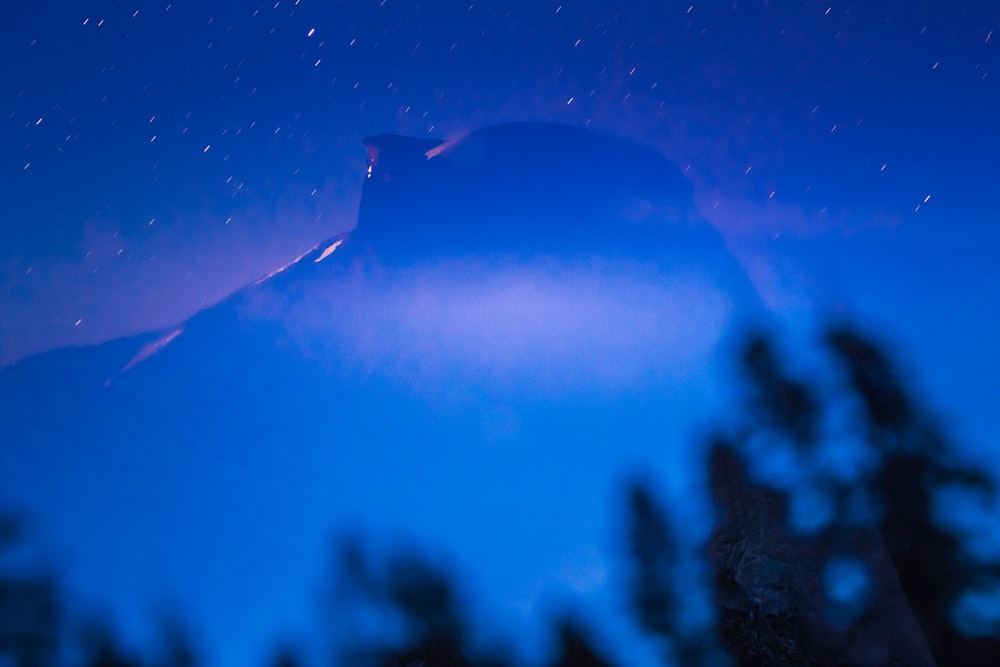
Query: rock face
pixel 774 591
pixel 529 189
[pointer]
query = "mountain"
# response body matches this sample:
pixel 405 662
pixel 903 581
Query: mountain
pixel 524 187
pixel 521 314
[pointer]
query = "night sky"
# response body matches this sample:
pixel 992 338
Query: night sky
pixel 158 156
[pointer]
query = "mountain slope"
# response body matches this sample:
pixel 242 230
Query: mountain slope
pixel 517 317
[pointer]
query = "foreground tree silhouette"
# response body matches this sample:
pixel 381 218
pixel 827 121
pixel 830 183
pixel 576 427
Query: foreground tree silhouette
pixel 420 599
pixel 866 575
pixel 838 542
pixel 661 593
pixel 934 567
pixel 30 607
pixel 782 587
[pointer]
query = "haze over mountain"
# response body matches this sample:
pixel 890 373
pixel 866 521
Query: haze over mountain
pixel 525 304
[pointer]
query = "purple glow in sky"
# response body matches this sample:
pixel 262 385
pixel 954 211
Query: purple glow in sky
pixel 162 154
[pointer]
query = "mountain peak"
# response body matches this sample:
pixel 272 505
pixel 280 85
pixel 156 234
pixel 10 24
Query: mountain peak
pixel 519 187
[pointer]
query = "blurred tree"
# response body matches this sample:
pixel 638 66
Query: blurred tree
pixel 881 574
pixel 935 568
pixel 29 608
pixel 661 592
pixel 786 405
pixel 422 598
pixel 876 581
pixel 285 657
pixel 99 647
pixel 574 648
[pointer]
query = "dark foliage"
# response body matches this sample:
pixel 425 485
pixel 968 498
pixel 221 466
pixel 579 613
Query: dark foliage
pixel 417 595
pixel 658 602
pixel 654 553
pixel 933 566
pixel 877 581
pixel 574 648
pixel 780 402
pixel 29 609
pixel 100 648
pixel 895 536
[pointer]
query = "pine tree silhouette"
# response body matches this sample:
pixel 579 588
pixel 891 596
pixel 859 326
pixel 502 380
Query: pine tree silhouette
pixel 879 580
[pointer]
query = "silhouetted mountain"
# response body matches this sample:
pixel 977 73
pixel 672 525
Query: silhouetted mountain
pixel 506 312
pixel 527 188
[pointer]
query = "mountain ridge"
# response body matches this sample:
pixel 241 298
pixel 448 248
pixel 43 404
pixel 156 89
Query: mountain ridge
pixel 431 388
